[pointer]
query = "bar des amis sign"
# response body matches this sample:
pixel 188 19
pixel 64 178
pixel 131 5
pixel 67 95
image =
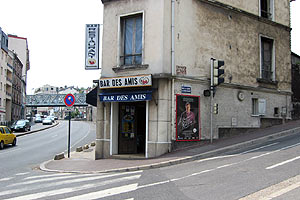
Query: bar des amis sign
pixel 128 81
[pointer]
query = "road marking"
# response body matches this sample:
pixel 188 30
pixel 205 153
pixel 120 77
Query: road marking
pixel 68 189
pixel 275 190
pixel 283 163
pixel 79 177
pixel 9 151
pixel 106 193
pixel 6 179
pixel 21 174
pixel 228 156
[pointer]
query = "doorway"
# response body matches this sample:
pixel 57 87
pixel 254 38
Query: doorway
pixel 132 128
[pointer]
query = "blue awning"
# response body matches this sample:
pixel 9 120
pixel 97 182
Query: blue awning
pixel 126 96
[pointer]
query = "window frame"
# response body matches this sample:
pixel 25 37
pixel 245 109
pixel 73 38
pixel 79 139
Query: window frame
pixel 120 56
pixel 273 64
pixel 271 9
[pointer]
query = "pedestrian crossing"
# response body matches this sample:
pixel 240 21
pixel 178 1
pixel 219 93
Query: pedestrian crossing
pixel 68 186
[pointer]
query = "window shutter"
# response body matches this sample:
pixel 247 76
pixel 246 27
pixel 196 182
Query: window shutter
pixel 261 106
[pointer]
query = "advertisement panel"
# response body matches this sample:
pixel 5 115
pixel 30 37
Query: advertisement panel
pixel 187 118
pixel 92 46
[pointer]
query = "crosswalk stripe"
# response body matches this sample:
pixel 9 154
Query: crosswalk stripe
pixel 46 176
pixel 6 179
pixel 72 176
pixel 21 174
pixel 105 193
pixel 74 189
pixel 8 192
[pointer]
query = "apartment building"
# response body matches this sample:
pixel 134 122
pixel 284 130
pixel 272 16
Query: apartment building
pixel 156 71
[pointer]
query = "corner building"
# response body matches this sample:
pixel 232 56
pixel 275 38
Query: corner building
pixel 162 49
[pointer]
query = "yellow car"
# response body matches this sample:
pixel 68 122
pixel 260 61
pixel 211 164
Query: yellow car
pixel 7 137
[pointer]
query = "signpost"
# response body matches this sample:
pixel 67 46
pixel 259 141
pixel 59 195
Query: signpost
pixel 69 101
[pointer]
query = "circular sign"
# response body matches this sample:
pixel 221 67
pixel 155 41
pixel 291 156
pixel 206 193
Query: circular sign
pixel 69 100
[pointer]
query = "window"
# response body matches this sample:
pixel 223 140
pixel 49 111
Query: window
pixel 266 9
pixel 131 38
pixel 267 57
pixel 258 107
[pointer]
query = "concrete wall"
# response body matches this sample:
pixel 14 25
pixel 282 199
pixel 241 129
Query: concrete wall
pixel 204 31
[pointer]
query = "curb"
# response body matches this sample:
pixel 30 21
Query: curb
pixel 184 159
pixel 30 132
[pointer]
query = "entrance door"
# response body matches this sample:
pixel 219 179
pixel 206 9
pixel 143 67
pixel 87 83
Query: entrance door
pixel 132 129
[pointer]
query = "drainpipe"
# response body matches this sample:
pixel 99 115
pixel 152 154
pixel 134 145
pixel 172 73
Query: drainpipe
pixel 172 66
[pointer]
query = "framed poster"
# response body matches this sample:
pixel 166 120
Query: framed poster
pixel 187 118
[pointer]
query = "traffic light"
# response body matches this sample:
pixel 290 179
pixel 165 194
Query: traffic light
pixel 216 108
pixel 218 77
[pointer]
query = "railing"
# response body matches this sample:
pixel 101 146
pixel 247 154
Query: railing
pixel 55 100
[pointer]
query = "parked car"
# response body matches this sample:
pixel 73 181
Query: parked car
pixel 38 120
pixel 21 125
pixel 7 137
pixel 47 121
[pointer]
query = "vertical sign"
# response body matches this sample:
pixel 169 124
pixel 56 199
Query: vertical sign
pixel 187 118
pixel 92 46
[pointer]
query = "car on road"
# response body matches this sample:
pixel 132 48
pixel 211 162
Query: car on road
pixel 47 121
pixel 7 137
pixel 38 120
pixel 21 125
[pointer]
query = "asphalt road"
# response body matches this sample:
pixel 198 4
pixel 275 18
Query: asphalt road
pixel 35 148
pixel 266 171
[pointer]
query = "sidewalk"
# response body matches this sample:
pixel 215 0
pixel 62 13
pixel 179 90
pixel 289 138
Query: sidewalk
pixel 84 162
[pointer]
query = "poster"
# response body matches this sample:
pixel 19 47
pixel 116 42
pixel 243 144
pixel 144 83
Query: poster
pixel 187 118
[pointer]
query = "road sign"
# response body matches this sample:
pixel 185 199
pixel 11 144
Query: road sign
pixel 69 100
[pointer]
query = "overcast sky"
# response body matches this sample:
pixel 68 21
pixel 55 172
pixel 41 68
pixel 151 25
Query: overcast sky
pixel 55 31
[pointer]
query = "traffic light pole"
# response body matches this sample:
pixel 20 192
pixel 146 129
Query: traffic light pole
pixel 211 97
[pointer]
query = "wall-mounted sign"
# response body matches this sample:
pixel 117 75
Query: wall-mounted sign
pixel 129 81
pixel 186 89
pixel 126 96
pixel 92 46
pixel 187 118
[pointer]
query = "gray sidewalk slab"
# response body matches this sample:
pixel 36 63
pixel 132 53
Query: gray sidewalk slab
pixel 84 162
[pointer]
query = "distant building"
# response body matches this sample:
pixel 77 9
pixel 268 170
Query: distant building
pixel 20 46
pixel 17 93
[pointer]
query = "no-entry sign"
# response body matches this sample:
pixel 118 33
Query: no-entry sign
pixel 69 100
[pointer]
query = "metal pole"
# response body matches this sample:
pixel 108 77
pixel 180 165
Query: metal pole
pixel 69 136
pixel 211 98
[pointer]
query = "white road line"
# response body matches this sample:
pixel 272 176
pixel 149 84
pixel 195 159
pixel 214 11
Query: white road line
pixel 56 183
pixel 106 193
pixel 9 151
pixel 48 175
pixel 89 176
pixel 275 190
pixel 21 174
pixel 228 156
pixel 75 189
pixel 80 139
pixel 6 179
pixel 283 163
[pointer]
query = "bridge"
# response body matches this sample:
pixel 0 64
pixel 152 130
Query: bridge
pixel 53 100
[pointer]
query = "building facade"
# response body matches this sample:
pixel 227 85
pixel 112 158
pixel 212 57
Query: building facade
pixel 295 85
pixel 6 80
pixel 17 66
pixel 20 46
pixel 156 65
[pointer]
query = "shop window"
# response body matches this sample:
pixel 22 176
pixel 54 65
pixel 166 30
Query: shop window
pixel 267 9
pixel 267 65
pixel 131 40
